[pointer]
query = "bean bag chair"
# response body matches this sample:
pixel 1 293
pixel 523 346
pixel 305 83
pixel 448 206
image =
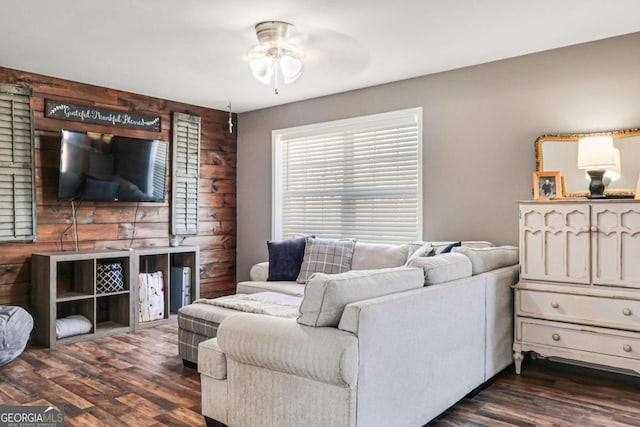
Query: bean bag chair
pixel 15 327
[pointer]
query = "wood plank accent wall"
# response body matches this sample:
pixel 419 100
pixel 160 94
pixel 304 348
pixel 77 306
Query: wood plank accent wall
pixel 117 225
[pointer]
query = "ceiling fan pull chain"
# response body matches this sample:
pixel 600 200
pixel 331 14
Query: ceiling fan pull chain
pixel 276 65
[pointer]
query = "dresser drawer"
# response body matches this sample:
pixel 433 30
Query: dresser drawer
pixel 574 337
pixel 590 310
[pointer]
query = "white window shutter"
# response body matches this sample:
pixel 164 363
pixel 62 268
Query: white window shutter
pixel 186 174
pixel 358 178
pixel 17 177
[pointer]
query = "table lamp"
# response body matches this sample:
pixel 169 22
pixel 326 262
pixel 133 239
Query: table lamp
pixel 596 155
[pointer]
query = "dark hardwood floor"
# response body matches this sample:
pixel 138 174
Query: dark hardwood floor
pixel 138 380
pixel 550 394
pixel 124 380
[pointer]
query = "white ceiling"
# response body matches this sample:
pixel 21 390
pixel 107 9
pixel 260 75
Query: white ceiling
pixel 194 51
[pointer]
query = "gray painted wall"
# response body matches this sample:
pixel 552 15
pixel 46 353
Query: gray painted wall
pixel 480 124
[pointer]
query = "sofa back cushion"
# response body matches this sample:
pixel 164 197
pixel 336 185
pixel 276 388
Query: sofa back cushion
pixel 370 256
pixel 439 247
pixel 326 256
pixel 442 268
pixel 487 259
pixel 326 295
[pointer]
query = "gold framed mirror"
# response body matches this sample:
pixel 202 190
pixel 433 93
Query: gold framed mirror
pixel 560 153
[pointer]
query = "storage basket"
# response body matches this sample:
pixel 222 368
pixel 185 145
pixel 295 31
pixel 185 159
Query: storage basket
pixel 109 278
pixel 151 296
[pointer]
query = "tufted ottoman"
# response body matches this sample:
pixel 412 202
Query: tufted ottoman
pixel 15 328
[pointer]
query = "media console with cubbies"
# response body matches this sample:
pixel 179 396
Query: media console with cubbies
pixel 73 283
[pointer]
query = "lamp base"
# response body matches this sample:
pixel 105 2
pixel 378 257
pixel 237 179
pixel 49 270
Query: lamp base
pixel 596 187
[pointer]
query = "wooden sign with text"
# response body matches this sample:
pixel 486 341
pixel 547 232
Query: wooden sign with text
pixel 101 116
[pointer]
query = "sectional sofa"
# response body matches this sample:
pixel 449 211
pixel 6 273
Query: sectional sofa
pixel 380 345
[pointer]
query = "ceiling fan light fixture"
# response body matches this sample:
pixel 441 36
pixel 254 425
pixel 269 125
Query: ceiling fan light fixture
pixel 291 68
pixel 275 55
pixel 262 68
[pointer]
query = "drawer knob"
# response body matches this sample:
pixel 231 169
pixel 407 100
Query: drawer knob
pixel 626 311
pixel 556 337
pixel 627 348
pixel 555 304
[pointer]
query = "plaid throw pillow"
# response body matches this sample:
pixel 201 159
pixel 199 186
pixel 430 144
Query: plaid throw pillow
pixel 326 256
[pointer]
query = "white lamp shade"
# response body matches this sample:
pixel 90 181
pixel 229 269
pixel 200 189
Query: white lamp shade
pixel 261 67
pixel 291 68
pixel 266 60
pixel 610 175
pixel 596 153
pixel 614 173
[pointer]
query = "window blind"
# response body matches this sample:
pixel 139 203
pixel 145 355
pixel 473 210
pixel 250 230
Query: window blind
pixel 17 177
pixel 357 178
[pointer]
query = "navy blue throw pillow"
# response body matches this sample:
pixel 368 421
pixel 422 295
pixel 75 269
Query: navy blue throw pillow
pixel 285 258
pixel 451 246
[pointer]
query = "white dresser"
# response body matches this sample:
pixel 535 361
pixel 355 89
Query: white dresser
pixel 579 292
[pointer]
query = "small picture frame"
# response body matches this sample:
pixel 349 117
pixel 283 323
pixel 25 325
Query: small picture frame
pixel 547 185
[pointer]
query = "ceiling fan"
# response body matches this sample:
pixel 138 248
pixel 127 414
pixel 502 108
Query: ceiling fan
pixel 275 57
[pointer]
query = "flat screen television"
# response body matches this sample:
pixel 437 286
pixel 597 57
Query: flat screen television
pixel 106 167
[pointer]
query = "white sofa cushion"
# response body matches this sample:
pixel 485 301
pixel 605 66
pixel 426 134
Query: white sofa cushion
pixel 289 288
pixel 369 256
pixel 212 361
pixel 326 295
pixel 443 268
pixel 486 259
pixel 326 256
pixel 260 272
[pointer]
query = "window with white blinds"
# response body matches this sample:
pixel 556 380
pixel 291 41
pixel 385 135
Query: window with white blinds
pixel 359 178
